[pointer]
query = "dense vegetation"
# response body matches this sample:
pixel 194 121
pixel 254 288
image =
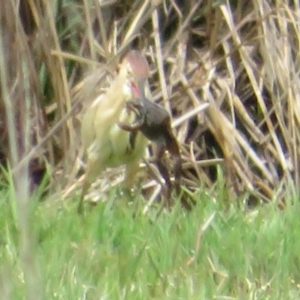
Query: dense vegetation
pixel 227 71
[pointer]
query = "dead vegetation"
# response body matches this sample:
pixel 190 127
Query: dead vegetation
pixel 226 71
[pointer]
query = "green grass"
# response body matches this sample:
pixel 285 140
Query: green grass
pixel 115 252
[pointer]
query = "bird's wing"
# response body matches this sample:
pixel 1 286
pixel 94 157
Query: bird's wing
pixel 88 132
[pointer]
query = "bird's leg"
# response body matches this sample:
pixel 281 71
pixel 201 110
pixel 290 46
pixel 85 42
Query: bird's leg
pixel 85 187
pixel 93 169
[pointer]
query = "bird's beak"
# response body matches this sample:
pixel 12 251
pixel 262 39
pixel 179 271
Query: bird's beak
pixel 141 87
pixel 138 88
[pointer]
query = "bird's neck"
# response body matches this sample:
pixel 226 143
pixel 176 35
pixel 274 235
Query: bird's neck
pixel 122 86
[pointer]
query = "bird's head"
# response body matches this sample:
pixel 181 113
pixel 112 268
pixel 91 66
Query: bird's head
pixel 136 69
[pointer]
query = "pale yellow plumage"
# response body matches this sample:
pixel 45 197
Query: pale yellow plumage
pixel 105 143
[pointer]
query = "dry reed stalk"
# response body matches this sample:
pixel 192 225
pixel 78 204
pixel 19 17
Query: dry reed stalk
pixel 241 60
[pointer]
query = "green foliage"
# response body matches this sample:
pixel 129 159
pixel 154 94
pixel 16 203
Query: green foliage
pixel 116 252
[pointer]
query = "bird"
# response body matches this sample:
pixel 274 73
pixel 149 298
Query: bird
pixel 105 143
